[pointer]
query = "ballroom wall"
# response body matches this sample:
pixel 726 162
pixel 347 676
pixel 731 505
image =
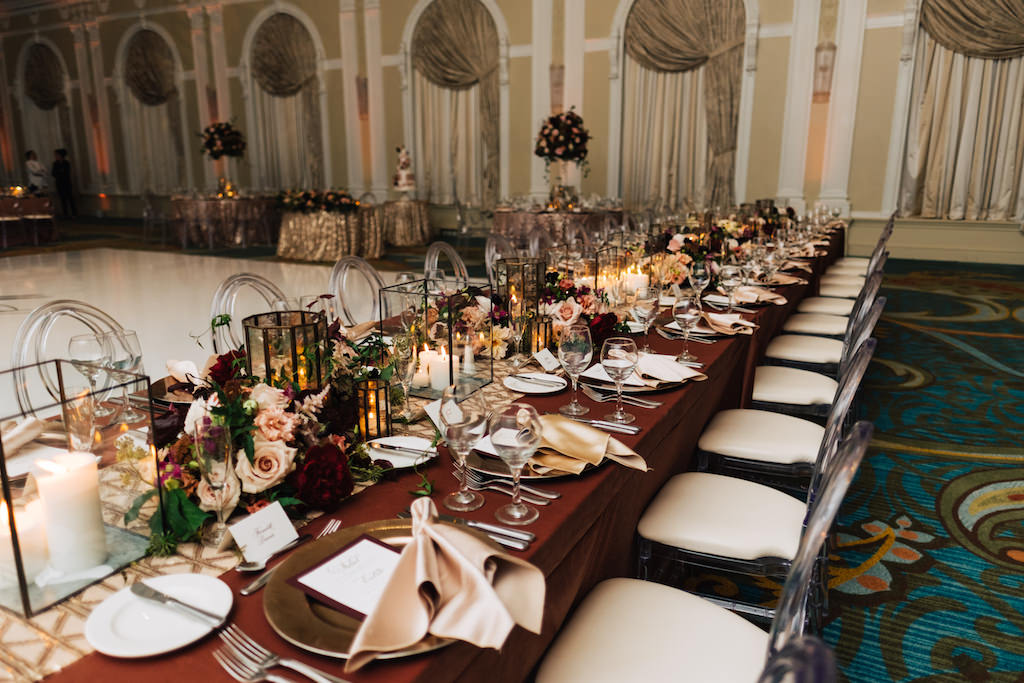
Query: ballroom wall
pixel 844 149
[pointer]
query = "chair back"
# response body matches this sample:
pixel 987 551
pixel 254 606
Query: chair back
pixel 540 242
pixel 459 271
pixel 341 287
pixel 861 331
pixel 792 608
pixel 804 659
pixel 33 335
pixel 229 336
pixel 497 248
pixel 864 299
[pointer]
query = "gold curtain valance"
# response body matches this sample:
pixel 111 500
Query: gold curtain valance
pixel 990 29
pixel 283 56
pixel 44 77
pixel 149 68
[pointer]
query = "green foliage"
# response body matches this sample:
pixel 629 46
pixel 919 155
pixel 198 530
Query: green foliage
pixel 184 518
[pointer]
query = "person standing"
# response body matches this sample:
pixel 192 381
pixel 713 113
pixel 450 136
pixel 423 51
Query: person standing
pixel 36 172
pixel 61 173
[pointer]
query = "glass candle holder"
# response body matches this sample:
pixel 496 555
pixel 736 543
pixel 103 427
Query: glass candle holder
pixel 373 400
pixel 287 346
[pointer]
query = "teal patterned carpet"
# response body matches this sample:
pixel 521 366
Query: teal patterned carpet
pixel 928 580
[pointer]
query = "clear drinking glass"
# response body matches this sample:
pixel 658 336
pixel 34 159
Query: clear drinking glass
pixel 686 312
pixel 126 355
pixel 519 325
pixel 90 354
pixel 619 358
pixel 575 351
pixel 516 434
pixel 699 277
pixel 214 453
pixel 405 368
pixel 730 277
pixel 463 418
pixel 645 309
pixel 80 418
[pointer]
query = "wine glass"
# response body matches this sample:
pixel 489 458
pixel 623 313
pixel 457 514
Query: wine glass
pixel 730 277
pixel 645 309
pixel 686 312
pixel 619 358
pixel 575 351
pixel 405 277
pixel 126 355
pixel 463 418
pixel 90 355
pixel 700 277
pixel 80 418
pixel 519 324
pixel 214 453
pixel 515 434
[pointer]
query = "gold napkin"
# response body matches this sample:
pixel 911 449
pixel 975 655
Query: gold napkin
pixel 748 294
pixel 807 251
pixel 569 446
pixel 728 323
pixel 450 584
pixel 784 279
pixel 16 434
pixel 797 265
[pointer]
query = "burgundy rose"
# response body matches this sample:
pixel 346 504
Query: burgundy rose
pixel 226 368
pixel 602 327
pixel 323 479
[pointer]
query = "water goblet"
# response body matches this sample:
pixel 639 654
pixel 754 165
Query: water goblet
pixel 90 355
pixel 730 277
pixel 686 313
pixel 463 418
pixel 645 309
pixel 575 351
pixel 519 324
pixel 619 358
pixel 515 434
pixel 80 418
pixel 126 355
pixel 700 277
pixel 435 281
pixel 214 453
pixel 405 368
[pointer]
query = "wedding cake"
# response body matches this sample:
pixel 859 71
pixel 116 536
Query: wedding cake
pixel 405 181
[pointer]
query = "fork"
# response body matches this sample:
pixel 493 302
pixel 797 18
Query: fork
pixel 243 671
pixel 500 488
pixel 596 395
pixel 481 478
pixel 244 648
pixel 261 580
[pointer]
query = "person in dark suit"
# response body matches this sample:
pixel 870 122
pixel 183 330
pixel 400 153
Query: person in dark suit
pixel 61 173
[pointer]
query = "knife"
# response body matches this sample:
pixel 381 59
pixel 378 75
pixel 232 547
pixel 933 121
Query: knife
pixel 537 380
pixel 498 535
pixel 609 426
pixel 149 593
pixel 401 449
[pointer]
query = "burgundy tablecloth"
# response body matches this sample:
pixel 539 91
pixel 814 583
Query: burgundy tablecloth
pixel 584 537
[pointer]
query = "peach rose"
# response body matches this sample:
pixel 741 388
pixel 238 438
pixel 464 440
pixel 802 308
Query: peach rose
pixel 268 396
pixel 272 462
pixel 225 498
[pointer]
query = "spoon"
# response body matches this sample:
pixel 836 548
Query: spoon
pixel 262 564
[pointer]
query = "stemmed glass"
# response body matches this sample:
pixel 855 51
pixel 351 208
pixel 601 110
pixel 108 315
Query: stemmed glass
pixel 686 312
pixel 519 324
pixel 515 435
pixel 214 453
pixel 463 417
pixel 405 368
pixel 619 358
pixel 90 354
pixel 575 351
pixel 126 355
pixel 645 309
pixel 79 418
pixel 730 278
pixel 699 278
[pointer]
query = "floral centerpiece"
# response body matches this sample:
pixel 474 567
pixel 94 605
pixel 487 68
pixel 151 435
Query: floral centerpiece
pixel 222 139
pixel 313 201
pixel 568 303
pixel 469 309
pixel 563 139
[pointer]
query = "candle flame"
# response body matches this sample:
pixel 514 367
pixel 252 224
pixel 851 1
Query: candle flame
pixel 123 428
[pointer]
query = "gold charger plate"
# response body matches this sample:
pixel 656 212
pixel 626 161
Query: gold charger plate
pixel 312 625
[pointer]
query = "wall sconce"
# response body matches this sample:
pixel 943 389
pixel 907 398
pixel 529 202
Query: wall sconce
pixel 824 63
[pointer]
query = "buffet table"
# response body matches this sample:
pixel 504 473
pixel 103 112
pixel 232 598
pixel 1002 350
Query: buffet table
pixel 582 538
pixel 517 225
pixel 327 236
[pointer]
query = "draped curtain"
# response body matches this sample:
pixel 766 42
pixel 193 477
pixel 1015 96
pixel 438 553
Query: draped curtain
pixel 455 47
pixel 152 115
pixel 45 118
pixel 674 36
pixel 447 147
pixel 965 139
pixel 288 133
pixel 44 77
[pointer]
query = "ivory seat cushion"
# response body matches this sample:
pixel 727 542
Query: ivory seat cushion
pixel 803 348
pixel 847 271
pixel 762 435
pixel 841 290
pixel 778 384
pixel 633 630
pixel 825 304
pixel 850 260
pixel 828 280
pixel 816 323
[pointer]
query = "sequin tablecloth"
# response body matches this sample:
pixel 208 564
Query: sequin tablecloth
pixel 406 222
pixel 219 222
pixel 327 236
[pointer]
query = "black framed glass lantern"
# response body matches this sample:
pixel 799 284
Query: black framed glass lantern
pixel 543 336
pixel 520 281
pixel 373 407
pixel 609 265
pixel 287 346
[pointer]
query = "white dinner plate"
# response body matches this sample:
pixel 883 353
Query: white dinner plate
pixel 516 384
pixel 125 625
pixel 398 459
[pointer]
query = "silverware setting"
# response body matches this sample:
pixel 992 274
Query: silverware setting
pixel 606 426
pixel 595 395
pixel 510 538
pixel 669 333
pixel 251 660
pixel 540 381
pixel 482 478
pixel 261 580
pixel 373 445
pixel 503 488
pixel 147 592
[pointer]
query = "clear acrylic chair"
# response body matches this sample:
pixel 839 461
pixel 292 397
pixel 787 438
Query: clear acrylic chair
pixel 496 248
pixel 831 325
pixel 634 630
pixel 228 335
pixel 803 659
pixel 341 284
pixel 434 253
pixel 862 264
pixel 540 242
pixel 34 335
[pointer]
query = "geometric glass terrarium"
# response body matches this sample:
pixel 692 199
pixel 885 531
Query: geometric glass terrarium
pixel 65 495
pixel 451 332
pixel 287 346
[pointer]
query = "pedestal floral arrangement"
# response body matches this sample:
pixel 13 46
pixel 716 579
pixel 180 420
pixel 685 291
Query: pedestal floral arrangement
pixel 562 139
pixel 222 139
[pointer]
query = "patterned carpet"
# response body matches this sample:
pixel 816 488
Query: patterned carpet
pixel 928 584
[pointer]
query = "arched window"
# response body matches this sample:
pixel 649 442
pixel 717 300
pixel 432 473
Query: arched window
pixel 151 112
pixel 681 101
pixel 285 90
pixel 44 106
pixel 456 101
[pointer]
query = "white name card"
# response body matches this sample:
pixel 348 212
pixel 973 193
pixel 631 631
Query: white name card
pixel 263 533
pixel 547 360
pixel 353 579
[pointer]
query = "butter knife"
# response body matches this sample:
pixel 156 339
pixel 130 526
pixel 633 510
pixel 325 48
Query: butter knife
pixel 401 449
pixel 498 537
pixel 537 380
pixel 149 593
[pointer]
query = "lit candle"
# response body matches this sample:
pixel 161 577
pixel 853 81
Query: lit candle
pixel 468 362
pixel 70 496
pixel 438 368
pixel 422 376
pixel 31 527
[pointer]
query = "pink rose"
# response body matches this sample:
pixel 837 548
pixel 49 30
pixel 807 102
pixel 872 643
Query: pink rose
pixel 275 424
pixel 675 244
pixel 588 302
pixel 225 498
pixel 272 462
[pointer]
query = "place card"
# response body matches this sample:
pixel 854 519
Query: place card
pixel 353 579
pixel 547 360
pixel 262 533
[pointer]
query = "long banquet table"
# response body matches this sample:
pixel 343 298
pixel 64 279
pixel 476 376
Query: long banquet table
pixel 582 538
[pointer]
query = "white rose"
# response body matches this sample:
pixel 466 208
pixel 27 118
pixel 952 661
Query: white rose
pixel 225 498
pixel 268 396
pixel 272 462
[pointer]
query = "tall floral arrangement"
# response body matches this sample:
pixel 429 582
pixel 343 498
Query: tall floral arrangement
pixel 562 137
pixel 222 139
pixel 313 201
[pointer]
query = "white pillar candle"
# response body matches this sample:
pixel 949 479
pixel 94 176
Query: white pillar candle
pixel 31 528
pixel 468 362
pixel 439 377
pixel 70 493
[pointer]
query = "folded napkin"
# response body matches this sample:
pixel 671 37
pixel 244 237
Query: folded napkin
pixel 357 332
pixel 728 323
pixel 807 251
pixel 184 371
pixel 451 584
pixel 749 294
pixel 783 279
pixel 797 265
pixel 652 369
pixel 16 434
pixel 569 446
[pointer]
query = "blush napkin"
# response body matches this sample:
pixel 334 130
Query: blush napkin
pixel 451 584
pixel 16 434
pixel 728 323
pixel 569 446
